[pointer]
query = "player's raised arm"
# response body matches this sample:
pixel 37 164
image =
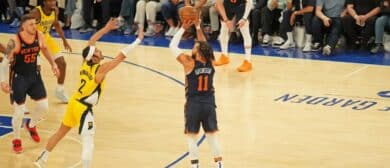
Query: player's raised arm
pixel 108 66
pixel 184 59
pixel 112 24
pixel 199 33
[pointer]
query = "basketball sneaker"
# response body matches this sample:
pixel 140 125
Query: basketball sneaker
pixel 33 132
pixel 223 59
pixel 245 66
pixel 60 94
pixel 17 146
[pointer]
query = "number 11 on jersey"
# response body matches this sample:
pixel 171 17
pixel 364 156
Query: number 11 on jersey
pixel 203 81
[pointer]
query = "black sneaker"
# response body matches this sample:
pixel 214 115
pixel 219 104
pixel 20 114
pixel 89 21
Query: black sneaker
pixel 377 48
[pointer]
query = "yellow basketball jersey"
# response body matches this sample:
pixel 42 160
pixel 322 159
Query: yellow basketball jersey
pixel 46 20
pixel 88 91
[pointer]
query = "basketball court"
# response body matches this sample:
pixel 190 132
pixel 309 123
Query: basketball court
pixel 286 113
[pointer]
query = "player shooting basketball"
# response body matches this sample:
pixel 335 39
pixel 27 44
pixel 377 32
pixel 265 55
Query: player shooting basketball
pixel 200 101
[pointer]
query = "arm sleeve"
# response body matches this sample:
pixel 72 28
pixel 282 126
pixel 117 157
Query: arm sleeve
pixel 248 8
pixel 174 45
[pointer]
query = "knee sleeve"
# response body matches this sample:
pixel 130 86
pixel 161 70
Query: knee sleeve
pixel 17 119
pixel 193 148
pixel 224 38
pixel 214 145
pixel 41 107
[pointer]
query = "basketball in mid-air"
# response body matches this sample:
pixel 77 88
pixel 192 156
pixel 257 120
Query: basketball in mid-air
pixel 188 13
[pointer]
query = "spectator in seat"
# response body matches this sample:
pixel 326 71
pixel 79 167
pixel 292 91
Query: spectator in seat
pixel 302 10
pixel 360 21
pixel 271 15
pixel 327 22
pixel 150 9
pixel 256 20
pixel 170 12
pixel 380 24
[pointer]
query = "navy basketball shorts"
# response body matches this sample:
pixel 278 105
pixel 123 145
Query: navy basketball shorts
pixel 27 84
pixel 197 113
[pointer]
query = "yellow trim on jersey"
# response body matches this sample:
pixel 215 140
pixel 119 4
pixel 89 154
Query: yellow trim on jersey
pixel 46 22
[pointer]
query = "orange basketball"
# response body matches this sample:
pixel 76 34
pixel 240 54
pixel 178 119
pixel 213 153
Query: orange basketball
pixel 188 13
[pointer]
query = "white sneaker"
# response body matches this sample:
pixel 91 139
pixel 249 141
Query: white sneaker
pixel 266 40
pixel 327 50
pixel 277 42
pixel 62 96
pixel 307 47
pixel 219 164
pixel 39 164
pixel 288 44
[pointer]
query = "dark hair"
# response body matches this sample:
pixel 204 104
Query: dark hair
pixel 25 18
pixel 86 51
pixel 206 50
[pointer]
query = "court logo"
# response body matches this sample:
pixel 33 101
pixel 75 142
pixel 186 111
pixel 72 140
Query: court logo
pixel 342 102
pixel 385 94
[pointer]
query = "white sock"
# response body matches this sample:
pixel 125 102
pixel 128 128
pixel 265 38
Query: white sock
pixel 308 38
pixel 214 145
pixel 248 54
pixel 224 38
pixel 193 148
pixel 60 87
pixel 41 107
pixel 17 119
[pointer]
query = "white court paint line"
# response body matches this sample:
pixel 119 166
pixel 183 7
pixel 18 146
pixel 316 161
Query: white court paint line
pixel 356 71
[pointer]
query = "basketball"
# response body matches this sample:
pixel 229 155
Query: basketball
pixel 188 13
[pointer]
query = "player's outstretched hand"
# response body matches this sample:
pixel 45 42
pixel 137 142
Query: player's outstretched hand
pixel 141 33
pixel 112 24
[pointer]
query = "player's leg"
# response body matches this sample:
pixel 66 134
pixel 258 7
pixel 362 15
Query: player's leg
pixel 224 39
pixel 19 90
pixel 53 141
pixel 37 92
pixel 60 91
pixel 210 126
pixel 246 65
pixel 71 119
pixel 55 50
pixel 192 126
pixel 87 132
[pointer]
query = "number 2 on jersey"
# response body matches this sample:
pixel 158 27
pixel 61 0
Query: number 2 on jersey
pixel 203 82
pixel 83 82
